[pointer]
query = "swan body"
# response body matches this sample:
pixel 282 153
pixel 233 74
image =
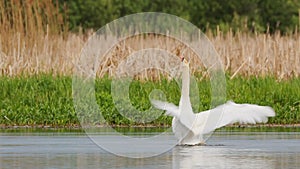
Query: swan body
pixel 189 127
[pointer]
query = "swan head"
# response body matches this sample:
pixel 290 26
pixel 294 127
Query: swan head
pixel 184 61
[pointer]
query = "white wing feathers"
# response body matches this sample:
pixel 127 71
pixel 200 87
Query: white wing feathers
pixel 187 119
pixel 223 115
pixel 171 109
pixel 244 113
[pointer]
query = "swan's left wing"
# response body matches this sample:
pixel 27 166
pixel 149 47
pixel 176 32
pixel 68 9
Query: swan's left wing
pixel 171 109
pixel 230 113
pixel 245 114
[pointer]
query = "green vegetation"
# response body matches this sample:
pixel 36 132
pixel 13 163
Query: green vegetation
pixel 47 101
pixel 283 96
pixel 40 99
pixel 38 52
pixel 245 15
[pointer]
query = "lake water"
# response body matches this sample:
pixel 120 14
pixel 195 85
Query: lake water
pixel 225 149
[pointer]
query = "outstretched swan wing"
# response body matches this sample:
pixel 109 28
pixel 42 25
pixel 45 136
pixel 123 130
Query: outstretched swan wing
pixel 231 112
pixel 171 109
pixel 187 118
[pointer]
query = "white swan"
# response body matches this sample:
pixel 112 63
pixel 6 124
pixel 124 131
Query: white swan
pixel 189 128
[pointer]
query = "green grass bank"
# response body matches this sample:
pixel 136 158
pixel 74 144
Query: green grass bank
pixel 46 100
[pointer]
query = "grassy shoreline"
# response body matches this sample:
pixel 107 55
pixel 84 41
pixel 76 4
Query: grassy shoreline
pixel 148 129
pixel 78 127
pixel 46 100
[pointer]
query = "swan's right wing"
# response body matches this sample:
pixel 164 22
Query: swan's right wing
pixel 171 109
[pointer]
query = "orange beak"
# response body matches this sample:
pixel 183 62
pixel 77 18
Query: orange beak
pixel 182 58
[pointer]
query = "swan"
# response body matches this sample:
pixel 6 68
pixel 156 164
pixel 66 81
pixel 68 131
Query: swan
pixel 189 127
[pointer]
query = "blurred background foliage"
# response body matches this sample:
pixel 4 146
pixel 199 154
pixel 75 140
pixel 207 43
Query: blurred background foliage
pixel 238 15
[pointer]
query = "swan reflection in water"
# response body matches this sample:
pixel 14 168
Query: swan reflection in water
pixel 188 157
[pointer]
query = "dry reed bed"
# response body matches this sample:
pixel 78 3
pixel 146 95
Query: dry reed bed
pixel 260 54
pixel 34 39
pixel 243 54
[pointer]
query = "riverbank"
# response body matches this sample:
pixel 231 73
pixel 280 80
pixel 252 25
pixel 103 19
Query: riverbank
pixel 78 127
pixel 45 100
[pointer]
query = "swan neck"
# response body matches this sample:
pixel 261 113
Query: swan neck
pixel 185 81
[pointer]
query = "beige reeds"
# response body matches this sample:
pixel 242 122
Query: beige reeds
pixel 242 53
pixel 260 54
pixel 34 39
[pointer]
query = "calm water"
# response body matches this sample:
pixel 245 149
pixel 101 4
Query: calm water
pixel 225 150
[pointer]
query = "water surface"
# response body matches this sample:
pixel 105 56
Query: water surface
pixel 225 149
